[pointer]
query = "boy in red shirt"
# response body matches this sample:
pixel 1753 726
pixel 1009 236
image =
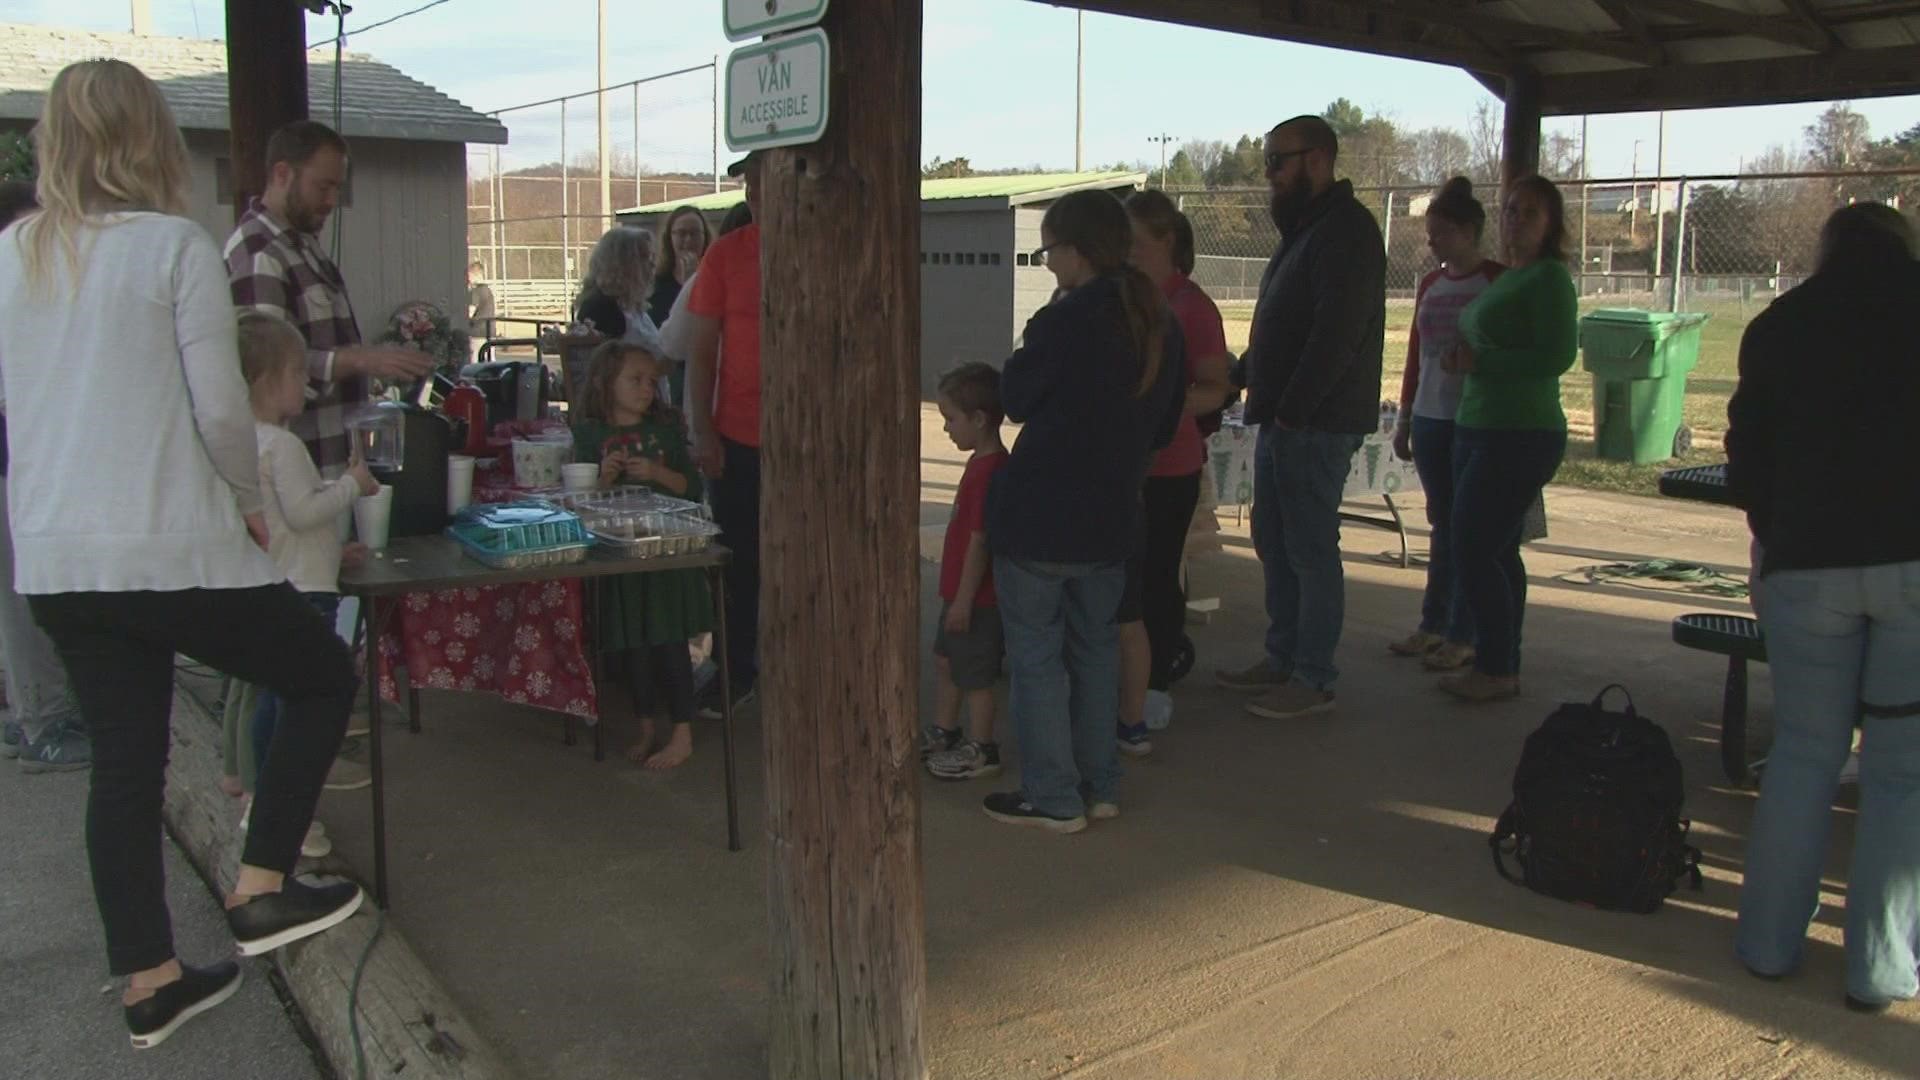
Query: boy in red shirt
pixel 970 641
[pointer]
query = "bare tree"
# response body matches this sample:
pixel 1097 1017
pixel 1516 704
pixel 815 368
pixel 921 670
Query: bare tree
pixel 1438 154
pixel 1839 139
pixel 1205 154
pixel 1483 134
pixel 1560 157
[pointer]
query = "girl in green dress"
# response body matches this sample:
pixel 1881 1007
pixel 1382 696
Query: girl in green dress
pixel 645 620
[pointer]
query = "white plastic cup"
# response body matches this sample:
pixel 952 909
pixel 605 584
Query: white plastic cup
pixel 459 482
pixel 580 475
pixel 371 516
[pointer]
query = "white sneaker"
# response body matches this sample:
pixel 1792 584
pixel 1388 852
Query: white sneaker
pixel 1103 811
pixel 1159 711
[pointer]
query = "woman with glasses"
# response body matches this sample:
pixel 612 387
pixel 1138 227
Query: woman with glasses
pixel 1516 339
pixel 1096 385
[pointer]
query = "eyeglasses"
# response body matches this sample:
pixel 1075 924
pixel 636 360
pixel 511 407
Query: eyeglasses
pixel 1277 158
pixel 1040 256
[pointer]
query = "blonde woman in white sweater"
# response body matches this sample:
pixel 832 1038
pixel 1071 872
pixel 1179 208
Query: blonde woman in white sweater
pixel 134 491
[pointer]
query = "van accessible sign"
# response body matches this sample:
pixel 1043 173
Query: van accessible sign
pixel 743 19
pixel 777 92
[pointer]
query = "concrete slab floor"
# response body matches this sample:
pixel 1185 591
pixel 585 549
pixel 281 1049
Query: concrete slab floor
pixel 1278 900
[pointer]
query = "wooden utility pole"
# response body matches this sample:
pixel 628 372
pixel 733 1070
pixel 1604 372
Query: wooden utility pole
pixel 266 85
pixel 1520 142
pixel 840 229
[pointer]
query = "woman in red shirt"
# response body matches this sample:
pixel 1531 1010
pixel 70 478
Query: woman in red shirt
pixel 1154 607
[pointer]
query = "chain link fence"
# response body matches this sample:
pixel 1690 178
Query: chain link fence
pixel 536 207
pixel 1724 246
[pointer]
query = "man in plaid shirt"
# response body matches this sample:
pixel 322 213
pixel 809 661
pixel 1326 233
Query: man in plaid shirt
pixel 276 264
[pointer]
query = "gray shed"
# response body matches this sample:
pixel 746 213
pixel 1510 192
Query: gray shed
pixel 978 284
pixel 403 219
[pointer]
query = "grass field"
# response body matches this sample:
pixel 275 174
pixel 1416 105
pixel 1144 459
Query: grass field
pixel 1708 388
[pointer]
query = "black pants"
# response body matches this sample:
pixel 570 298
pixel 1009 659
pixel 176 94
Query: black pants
pixel 119 649
pixel 660 678
pixel 1170 501
pixel 736 509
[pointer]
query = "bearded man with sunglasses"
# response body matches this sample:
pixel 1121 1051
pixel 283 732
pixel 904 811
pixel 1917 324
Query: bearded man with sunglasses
pixel 1313 389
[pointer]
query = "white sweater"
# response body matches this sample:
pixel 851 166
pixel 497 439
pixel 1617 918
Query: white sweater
pixel 304 512
pixel 131 433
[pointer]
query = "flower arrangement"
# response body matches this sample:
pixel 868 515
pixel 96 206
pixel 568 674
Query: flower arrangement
pixel 420 325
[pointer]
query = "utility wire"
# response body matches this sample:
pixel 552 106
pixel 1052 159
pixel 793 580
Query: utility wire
pixel 387 21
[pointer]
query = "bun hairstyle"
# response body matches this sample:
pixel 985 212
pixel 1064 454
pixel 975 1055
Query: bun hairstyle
pixel 1454 203
pixel 1096 225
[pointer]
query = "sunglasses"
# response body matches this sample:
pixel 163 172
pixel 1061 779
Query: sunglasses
pixel 1277 158
pixel 1040 256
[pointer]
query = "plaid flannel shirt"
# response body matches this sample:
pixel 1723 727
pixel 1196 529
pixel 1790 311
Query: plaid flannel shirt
pixel 279 270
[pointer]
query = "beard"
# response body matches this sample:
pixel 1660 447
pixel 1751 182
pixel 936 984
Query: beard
pixel 302 215
pixel 1289 202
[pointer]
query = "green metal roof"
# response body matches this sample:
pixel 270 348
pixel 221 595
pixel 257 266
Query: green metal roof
pixel 1029 187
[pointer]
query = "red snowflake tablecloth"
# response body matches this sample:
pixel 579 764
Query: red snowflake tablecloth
pixel 522 642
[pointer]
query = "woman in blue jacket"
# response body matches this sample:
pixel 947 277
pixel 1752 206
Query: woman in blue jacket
pixel 1096 385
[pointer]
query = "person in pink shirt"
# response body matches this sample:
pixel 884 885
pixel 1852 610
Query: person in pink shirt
pixel 1153 609
pixel 1429 397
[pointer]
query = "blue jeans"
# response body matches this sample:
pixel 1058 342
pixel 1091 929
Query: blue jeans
pixel 1298 478
pixel 266 711
pixel 1496 476
pixel 1842 643
pixel 42 700
pixel 1063 677
pixel 1444 609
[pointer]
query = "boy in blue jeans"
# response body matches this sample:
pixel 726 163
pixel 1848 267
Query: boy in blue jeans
pixel 970 641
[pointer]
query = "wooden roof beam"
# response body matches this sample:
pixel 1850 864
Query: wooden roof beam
pixel 1512 32
pixel 1742 23
pixel 1804 12
pixel 1842 73
pixel 1635 27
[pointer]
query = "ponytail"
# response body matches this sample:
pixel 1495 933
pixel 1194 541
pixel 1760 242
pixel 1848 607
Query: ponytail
pixel 1098 227
pixel 1146 325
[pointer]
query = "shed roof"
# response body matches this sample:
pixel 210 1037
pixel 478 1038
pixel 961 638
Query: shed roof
pixel 980 192
pixel 1596 56
pixel 378 100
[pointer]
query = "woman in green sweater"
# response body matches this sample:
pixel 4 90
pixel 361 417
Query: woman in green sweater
pixel 1516 340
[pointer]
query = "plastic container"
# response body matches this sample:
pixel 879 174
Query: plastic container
pixel 1639 360
pixel 537 462
pixel 519 535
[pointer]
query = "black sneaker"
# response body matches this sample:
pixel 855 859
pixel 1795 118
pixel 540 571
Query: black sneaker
pixel 197 990
pixel 1009 808
pixel 935 739
pixel 297 911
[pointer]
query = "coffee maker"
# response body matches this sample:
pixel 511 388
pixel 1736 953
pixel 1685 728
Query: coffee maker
pixel 406 446
pixel 514 389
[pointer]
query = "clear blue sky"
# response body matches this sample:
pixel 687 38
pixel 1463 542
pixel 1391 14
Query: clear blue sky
pixel 999 80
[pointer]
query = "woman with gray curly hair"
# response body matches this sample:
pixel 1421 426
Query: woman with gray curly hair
pixel 613 298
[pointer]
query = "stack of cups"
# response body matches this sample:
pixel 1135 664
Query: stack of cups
pixel 459 482
pixel 371 514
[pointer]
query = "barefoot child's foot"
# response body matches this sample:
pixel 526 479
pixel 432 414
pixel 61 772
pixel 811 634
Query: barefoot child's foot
pixel 643 744
pixel 678 749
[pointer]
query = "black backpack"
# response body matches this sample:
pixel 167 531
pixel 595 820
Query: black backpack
pixel 1595 816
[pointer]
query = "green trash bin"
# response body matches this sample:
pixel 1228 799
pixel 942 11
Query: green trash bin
pixel 1639 360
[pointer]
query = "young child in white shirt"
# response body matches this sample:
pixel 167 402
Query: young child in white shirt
pixel 303 511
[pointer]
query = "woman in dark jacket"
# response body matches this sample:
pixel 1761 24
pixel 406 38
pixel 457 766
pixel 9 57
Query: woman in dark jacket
pixel 1097 384
pixel 1820 455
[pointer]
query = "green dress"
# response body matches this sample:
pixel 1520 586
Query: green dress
pixel 642 610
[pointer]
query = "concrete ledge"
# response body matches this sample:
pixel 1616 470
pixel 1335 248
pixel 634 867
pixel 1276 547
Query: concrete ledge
pixel 409 1026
